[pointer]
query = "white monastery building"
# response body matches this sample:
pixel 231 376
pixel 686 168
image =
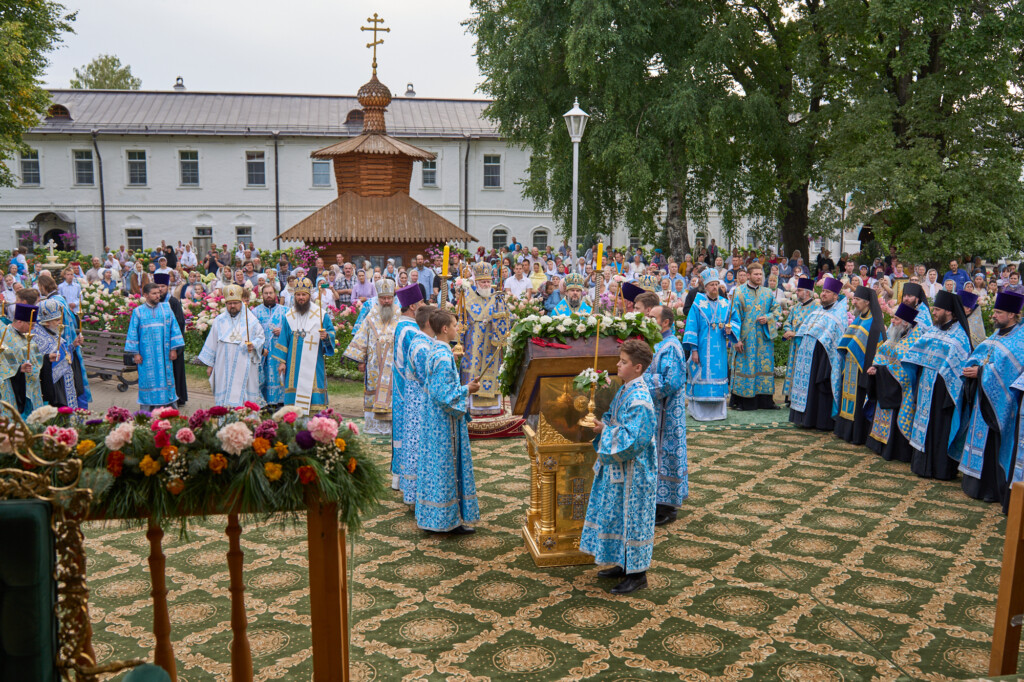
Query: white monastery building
pixel 136 167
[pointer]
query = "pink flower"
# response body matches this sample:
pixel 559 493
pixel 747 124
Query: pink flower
pixel 65 410
pixel 185 435
pixel 120 436
pixel 235 437
pixel 160 425
pixel 67 437
pixel 353 428
pixel 324 429
pixel 289 418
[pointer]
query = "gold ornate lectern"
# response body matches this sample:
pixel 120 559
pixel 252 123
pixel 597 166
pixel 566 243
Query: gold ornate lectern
pixel 560 450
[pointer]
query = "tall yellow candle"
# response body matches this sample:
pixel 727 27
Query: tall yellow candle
pixel 444 263
pixel 600 252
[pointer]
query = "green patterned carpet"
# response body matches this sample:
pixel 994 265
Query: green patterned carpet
pixel 797 558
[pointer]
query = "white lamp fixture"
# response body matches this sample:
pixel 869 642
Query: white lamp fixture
pixel 576 122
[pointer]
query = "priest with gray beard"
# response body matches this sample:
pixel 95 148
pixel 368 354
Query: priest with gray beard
pixel 372 348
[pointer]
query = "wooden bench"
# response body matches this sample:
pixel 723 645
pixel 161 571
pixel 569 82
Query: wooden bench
pixel 104 356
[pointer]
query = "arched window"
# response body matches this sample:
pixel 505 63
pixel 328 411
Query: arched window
pixel 540 238
pixel 58 111
pixel 354 117
pixel 499 238
pixel 701 240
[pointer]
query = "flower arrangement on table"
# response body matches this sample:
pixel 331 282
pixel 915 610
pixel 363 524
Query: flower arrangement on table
pixel 590 377
pixel 562 328
pixel 167 465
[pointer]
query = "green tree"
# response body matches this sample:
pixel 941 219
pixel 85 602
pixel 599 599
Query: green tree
pixel 105 72
pixel 28 32
pixel 931 155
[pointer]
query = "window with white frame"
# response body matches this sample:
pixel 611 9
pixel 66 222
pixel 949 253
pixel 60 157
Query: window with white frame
pixel 430 173
pixel 243 234
pixel 188 167
pixel 203 241
pixel 751 242
pixel 540 238
pixel 24 238
pixel 321 173
pixel 499 238
pixel 83 167
pixel 492 171
pixel 255 169
pixel 133 237
pixel 634 242
pixel 136 167
pixel 30 167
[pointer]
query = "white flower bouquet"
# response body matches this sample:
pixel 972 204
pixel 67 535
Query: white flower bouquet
pixel 589 377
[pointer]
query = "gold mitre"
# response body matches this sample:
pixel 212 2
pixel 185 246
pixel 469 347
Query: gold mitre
pixel 574 281
pixel 233 294
pixel 303 285
pixel 482 271
pixel 649 283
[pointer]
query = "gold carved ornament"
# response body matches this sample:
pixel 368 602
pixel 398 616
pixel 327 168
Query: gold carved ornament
pixel 53 477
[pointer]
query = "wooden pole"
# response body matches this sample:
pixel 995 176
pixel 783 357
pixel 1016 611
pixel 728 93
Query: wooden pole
pixel 241 656
pixel 1010 603
pixel 163 652
pixel 328 593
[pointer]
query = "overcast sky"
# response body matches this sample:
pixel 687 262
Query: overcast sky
pixel 294 46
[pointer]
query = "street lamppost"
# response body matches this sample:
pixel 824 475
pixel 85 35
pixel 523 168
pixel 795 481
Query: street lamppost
pixel 576 122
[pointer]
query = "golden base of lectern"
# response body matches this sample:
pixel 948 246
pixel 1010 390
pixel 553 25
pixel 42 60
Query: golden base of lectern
pixel 543 557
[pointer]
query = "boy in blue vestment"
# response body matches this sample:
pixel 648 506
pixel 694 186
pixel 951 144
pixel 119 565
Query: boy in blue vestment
pixel 445 486
pixel 619 526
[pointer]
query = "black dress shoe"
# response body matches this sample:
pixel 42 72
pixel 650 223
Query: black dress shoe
pixel 632 583
pixel 462 530
pixel 613 572
pixel 665 519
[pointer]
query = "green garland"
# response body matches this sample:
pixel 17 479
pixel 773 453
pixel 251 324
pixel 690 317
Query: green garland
pixel 562 328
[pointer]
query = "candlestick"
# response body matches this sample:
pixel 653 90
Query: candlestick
pixel 600 252
pixel 28 346
pixel 444 262
pixel 589 420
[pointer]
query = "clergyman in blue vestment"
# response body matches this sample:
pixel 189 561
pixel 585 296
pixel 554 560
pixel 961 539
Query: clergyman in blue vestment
pixel 155 340
pixel 710 325
pixel 753 370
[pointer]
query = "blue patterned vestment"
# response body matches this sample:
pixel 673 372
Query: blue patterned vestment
pixel 153 333
pixel 563 308
pixel 824 326
pixel 619 526
pixel 937 353
pixel 1018 467
pixel 754 367
pixel 287 349
pixel 70 334
pixel 666 381
pixel 16 350
pixel 445 487
pixel 62 372
pixel 415 371
pixel 405 331
pixel 852 353
pixel 1001 361
pixel 271 387
pixel 797 315
pixel 709 327
pixel 890 357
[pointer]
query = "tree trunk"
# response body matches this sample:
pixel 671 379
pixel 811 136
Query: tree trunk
pixel 676 225
pixel 794 223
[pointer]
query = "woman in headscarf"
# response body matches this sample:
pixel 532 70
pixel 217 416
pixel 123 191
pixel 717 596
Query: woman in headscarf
pixel 537 278
pixel 138 279
pixel 665 293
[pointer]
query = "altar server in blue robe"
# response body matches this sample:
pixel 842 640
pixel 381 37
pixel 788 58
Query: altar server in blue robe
pixel 410 298
pixel 890 387
pixel 445 487
pixel 155 340
pixel 989 408
pixel 666 380
pixel 1018 467
pixel 421 346
pixel 711 324
pixel 619 525
pixel 753 370
pixel 573 301
pixel 851 409
pixel 271 316
pixel 815 381
pixel 806 304
pixel 933 365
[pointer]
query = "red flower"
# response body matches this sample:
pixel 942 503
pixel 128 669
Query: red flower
pixel 218 411
pixel 115 463
pixel 161 439
pixel 252 406
pixel 307 474
pixel 169 413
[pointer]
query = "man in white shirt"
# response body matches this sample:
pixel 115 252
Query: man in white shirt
pixel 95 273
pixel 188 258
pixel 517 285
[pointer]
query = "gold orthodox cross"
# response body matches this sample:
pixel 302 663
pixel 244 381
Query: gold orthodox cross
pixel 376 27
pixel 312 340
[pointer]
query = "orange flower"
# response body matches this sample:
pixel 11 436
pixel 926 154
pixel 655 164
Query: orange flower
pixel 218 463
pixel 149 465
pixel 273 470
pixel 261 445
pixel 340 444
pixel 169 452
pixel 84 447
pixel 351 466
pixel 176 486
pixel 307 474
pixel 281 449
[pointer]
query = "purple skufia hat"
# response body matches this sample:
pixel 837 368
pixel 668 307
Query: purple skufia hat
pixel 968 299
pixel 907 313
pixel 161 278
pixel 805 283
pixel 1009 302
pixel 630 291
pixel 832 284
pixel 409 294
pixel 25 312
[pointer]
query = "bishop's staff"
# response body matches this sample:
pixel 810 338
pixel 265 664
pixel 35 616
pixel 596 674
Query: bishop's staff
pixel 589 420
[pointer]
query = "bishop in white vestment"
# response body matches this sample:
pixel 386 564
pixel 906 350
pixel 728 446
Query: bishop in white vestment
pixel 231 353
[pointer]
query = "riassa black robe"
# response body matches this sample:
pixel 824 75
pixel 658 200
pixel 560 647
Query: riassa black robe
pixel 180 385
pixel 993 486
pixel 887 392
pixel 818 414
